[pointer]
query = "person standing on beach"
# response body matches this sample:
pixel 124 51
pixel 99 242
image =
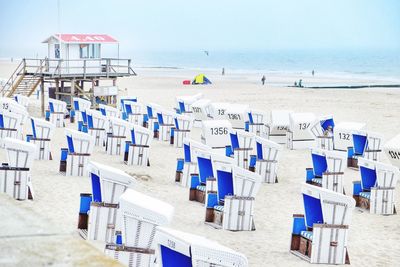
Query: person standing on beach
pixel 312 73
pixel 223 71
pixel 263 79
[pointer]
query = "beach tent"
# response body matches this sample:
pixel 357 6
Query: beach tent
pixel 201 79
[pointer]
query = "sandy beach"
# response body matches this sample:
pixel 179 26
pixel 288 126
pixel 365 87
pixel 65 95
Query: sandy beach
pixel 373 239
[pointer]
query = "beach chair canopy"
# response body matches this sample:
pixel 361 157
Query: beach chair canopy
pixel 245 182
pixel 392 150
pixel 19 153
pixel 201 79
pixel 152 109
pixel 189 148
pixel 215 133
pixel 57 105
pixel 377 174
pixel 237 114
pixel 42 129
pixel 81 104
pixel 165 116
pixel 327 161
pixel 327 122
pixel 204 163
pixel 176 248
pixel 202 109
pixel 79 142
pixel 144 208
pixel 183 122
pixel 242 139
pixel 133 107
pixel 326 206
pixel 301 124
pixel 9 120
pixel 342 135
pixel 267 149
pixel 223 172
pixel 22 100
pixel 108 111
pixel 101 175
pixel 256 116
pixel 7 104
pixel 123 99
pixel 184 103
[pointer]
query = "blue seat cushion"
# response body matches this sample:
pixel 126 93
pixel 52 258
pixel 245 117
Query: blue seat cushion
pixel 219 208
pixel 307 234
pixel 366 195
pixel 316 180
pixel 201 188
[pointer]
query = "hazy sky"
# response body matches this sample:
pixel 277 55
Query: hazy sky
pixel 177 25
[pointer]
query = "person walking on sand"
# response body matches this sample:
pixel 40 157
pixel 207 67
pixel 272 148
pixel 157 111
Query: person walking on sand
pixel 263 80
pixel 313 73
pixel 223 71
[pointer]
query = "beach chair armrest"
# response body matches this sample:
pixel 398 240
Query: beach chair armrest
pixel 243 149
pixel 333 173
pixel 325 225
pixel 267 160
pixel 382 188
pixel 373 150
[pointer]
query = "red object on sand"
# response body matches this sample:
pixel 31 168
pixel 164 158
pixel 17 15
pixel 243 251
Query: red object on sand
pixel 186 82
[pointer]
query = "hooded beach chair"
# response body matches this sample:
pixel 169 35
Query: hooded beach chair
pixel 328 169
pixel 57 109
pixel 188 164
pixel 201 111
pixel 9 123
pixel 375 191
pixel 97 125
pixel 218 110
pixel 108 184
pixel 74 159
pixel 299 135
pixel 134 112
pixel 165 120
pixel 256 122
pixel 277 126
pixel 42 132
pixel 80 106
pixel 184 103
pixel 176 248
pixel 122 100
pixel 216 134
pixel 9 105
pixel 151 118
pixel 121 130
pixel 266 159
pixel 323 132
pixel 137 150
pixel 342 135
pixel 231 206
pixel 237 115
pixel 241 147
pixel 366 144
pixel 109 111
pixel 22 100
pixel 392 150
pixel 141 215
pixel 183 126
pixel 15 177
pixel 203 182
pixel 320 235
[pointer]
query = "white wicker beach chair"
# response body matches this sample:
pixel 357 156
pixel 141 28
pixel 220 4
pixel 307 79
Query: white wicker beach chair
pixel 320 235
pixel 80 147
pixel 22 100
pixel 218 110
pixel 152 120
pixel 176 248
pixel 98 126
pixel 366 144
pixel 165 120
pixel 183 126
pixel 109 111
pixel 9 124
pixel 80 105
pixel 137 150
pixel 141 215
pixel 108 184
pixel 323 132
pixel 267 159
pixel 256 123
pixel 134 112
pixel 187 165
pixel 9 105
pixel 375 191
pixel 328 169
pixel 121 131
pixel 215 133
pixel 342 135
pixel 277 126
pixel 242 147
pixel 299 135
pixel 15 177
pixel 237 115
pixel 42 132
pixel 183 104
pixel 201 110
pixel 57 109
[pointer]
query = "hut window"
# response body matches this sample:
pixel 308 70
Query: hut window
pixel 84 51
pixel 95 51
pixel 56 50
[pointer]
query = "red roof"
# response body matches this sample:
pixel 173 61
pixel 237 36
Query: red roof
pixel 84 38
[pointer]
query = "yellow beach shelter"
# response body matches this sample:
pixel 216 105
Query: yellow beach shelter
pixel 201 79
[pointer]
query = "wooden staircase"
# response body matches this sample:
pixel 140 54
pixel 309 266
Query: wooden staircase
pixel 25 79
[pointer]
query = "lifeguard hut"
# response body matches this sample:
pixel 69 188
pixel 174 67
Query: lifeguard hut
pixel 75 68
